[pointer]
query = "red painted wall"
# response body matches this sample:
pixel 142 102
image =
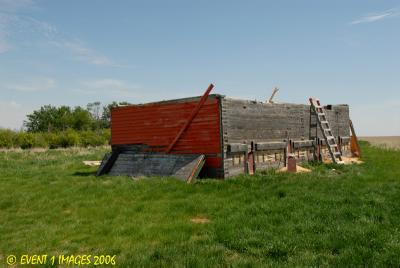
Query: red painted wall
pixel 157 124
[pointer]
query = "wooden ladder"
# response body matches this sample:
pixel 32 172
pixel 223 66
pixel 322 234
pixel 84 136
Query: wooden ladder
pixel 323 123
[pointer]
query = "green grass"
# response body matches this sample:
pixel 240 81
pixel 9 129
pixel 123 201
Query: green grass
pixel 50 203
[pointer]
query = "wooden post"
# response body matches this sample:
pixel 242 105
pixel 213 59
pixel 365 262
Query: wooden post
pixel 291 166
pixel 251 161
pixel 317 150
pixel 291 159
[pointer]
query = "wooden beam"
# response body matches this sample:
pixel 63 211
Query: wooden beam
pixel 197 168
pixel 272 95
pixel 354 146
pixel 190 119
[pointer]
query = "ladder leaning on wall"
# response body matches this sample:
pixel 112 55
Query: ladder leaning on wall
pixel 323 123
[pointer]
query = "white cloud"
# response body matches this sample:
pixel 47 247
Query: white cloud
pixel 33 85
pixel 111 86
pixel 377 16
pixel 105 84
pixel 14 104
pixel 115 89
pixel 81 52
pixel 38 26
pixel 12 24
pixel 8 20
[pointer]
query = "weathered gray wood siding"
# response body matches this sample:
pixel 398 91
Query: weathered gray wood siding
pixel 250 121
pixel 254 121
pixel 162 165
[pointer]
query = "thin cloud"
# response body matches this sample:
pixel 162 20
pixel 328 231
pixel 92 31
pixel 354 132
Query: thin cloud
pixel 105 84
pixel 8 20
pixel 81 52
pixel 40 27
pixel 10 104
pixel 33 85
pixel 373 17
pixel 12 24
pixel 108 85
pixel 115 88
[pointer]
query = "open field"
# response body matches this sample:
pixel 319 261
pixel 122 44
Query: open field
pixel 384 141
pixel 50 203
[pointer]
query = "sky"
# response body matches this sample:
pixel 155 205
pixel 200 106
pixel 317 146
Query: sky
pixel 73 52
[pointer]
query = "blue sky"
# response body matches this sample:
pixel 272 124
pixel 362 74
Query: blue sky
pixel 74 52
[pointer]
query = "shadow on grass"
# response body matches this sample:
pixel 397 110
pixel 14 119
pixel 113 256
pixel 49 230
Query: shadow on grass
pixel 84 173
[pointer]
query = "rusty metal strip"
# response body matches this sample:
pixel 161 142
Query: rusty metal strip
pixel 190 119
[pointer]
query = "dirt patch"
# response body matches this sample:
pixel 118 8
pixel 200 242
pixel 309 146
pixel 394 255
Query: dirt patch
pixel 346 160
pixel 299 169
pixel 351 160
pixel 67 211
pixel 92 163
pixel 200 220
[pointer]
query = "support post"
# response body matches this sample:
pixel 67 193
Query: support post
pixel 291 159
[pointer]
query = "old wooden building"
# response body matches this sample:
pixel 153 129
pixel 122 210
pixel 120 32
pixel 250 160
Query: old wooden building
pixel 230 136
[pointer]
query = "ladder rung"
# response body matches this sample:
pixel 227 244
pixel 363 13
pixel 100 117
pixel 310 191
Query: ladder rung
pixel 326 130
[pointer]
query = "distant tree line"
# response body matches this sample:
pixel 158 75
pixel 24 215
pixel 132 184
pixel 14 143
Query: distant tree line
pixel 63 126
pixel 61 139
pixel 54 119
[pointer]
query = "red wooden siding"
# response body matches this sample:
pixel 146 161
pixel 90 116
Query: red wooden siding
pixel 157 124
